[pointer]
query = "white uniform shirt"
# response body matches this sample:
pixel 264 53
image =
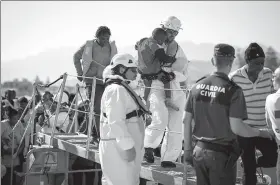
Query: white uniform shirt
pixel 272 107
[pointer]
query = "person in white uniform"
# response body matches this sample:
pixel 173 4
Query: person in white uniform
pixel 121 124
pixel 163 117
pixel 272 107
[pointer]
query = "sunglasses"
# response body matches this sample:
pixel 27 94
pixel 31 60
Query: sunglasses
pixel 172 32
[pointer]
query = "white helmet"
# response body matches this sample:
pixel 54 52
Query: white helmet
pixel 126 60
pixel 172 23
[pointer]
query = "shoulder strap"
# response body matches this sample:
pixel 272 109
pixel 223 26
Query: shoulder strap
pixel 202 78
pixel 134 96
pixel 232 83
pixel 176 49
pixel 233 87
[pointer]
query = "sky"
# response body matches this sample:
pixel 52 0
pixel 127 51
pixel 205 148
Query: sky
pixel 28 28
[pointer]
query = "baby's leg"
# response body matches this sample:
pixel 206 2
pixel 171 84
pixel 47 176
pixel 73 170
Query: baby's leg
pixel 148 84
pixel 168 101
pixel 167 92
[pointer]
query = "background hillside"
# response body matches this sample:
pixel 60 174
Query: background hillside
pixel 49 65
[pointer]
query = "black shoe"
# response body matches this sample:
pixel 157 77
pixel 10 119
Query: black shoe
pixel 168 164
pixel 149 155
pixel 157 152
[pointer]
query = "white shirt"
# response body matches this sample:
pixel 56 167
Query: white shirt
pixel 272 108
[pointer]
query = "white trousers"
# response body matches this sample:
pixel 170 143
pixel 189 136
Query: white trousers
pixel 165 118
pixel 117 171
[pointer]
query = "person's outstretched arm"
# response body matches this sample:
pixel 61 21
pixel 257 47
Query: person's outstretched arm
pixel 77 60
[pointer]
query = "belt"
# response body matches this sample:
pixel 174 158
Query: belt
pixel 213 146
pixel 153 76
pixel 135 113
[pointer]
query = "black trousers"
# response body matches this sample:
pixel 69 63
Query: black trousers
pixel 6 180
pixel 97 104
pixel 83 164
pixel 267 147
pixel 211 167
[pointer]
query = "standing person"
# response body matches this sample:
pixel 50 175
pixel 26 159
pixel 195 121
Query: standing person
pixel 7 144
pixel 272 107
pixel 122 125
pixel 43 105
pixel 10 96
pixel 23 102
pixel 96 54
pixel 256 83
pixel 218 107
pixel 163 117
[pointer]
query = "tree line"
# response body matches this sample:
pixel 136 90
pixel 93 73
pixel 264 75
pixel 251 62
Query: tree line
pixel 24 87
pixel 271 59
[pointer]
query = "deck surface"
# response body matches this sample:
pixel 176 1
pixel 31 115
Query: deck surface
pixel 76 144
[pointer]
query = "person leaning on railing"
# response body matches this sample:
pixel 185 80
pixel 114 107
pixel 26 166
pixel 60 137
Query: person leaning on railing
pixel 90 61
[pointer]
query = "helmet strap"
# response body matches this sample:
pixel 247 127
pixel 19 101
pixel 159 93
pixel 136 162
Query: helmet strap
pixel 123 74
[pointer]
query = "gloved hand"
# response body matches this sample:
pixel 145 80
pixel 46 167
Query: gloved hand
pixel 128 155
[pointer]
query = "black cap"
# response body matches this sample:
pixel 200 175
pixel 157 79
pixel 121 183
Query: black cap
pixel 254 51
pixel 224 50
pixel 23 99
pixel 48 93
pixel 158 31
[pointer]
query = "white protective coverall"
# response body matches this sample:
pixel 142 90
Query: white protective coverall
pixel 118 133
pixel 167 118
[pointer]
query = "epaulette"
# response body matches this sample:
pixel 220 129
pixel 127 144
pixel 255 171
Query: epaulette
pixel 202 78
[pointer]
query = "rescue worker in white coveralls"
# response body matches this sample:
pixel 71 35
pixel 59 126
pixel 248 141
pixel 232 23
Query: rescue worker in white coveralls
pixel 163 117
pixel 122 127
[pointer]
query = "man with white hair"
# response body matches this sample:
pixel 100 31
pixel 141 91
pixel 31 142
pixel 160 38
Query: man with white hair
pixel 163 117
pixel 272 108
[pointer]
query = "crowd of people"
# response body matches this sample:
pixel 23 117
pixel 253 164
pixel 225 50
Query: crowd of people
pixel 16 114
pixel 224 116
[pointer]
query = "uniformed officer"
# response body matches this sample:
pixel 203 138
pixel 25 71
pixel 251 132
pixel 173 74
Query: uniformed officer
pixel 218 107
